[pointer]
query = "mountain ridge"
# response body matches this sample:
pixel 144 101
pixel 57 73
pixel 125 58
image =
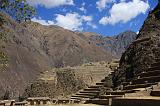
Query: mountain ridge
pixel 33 48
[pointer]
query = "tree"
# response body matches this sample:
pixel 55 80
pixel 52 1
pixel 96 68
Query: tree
pixel 20 10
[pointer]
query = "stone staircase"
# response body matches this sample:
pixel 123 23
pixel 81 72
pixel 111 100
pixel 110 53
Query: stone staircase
pixel 155 93
pixel 146 81
pixel 93 94
pixel 90 92
pixel 142 82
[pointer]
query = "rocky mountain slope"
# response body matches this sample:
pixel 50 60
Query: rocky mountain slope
pixel 116 44
pixel 33 48
pixel 66 48
pixel 141 53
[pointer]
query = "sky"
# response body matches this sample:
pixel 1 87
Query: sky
pixel 105 17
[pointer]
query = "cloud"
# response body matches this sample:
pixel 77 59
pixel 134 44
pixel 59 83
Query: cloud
pixel 83 9
pixel 83 4
pixel 125 11
pixel 50 3
pixel 122 0
pixel 92 25
pixel 69 21
pixel 87 18
pixel 72 21
pixel 102 4
pixel 43 22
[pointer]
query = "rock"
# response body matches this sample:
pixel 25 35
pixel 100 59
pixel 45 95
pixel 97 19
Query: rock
pixel 141 53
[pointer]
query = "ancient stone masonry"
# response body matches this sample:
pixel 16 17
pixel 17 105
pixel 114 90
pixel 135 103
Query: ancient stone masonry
pixel 38 100
pixel 141 53
pixel 156 11
pixel 95 94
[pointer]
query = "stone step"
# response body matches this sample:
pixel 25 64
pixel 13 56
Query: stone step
pixel 155 93
pixel 91 89
pixel 76 101
pixel 129 91
pixel 154 68
pixel 98 101
pixel 96 86
pixel 155 64
pixel 8 102
pixel 115 93
pixel 82 96
pixel 63 101
pixel 157 59
pixel 149 73
pixel 125 83
pixel 86 94
pixel 109 96
pixel 101 83
pixel 129 87
pixel 19 103
pixel 150 79
pixel 75 98
pixel 136 101
pixel 92 92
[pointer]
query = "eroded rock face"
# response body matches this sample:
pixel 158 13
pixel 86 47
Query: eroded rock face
pixel 141 53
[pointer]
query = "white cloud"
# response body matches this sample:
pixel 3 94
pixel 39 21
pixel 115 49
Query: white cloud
pixel 43 22
pixel 83 4
pixel 87 18
pixel 83 9
pixel 72 21
pixel 92 25
pixel 69 21
pixel 101 4
pixel 50 3
pixel 122 0
pixel 125 11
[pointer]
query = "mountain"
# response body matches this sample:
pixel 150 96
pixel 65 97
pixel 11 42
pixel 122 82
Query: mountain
pixel 143 52
pixel 32 49
pixel 66 48
pixel 116 44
